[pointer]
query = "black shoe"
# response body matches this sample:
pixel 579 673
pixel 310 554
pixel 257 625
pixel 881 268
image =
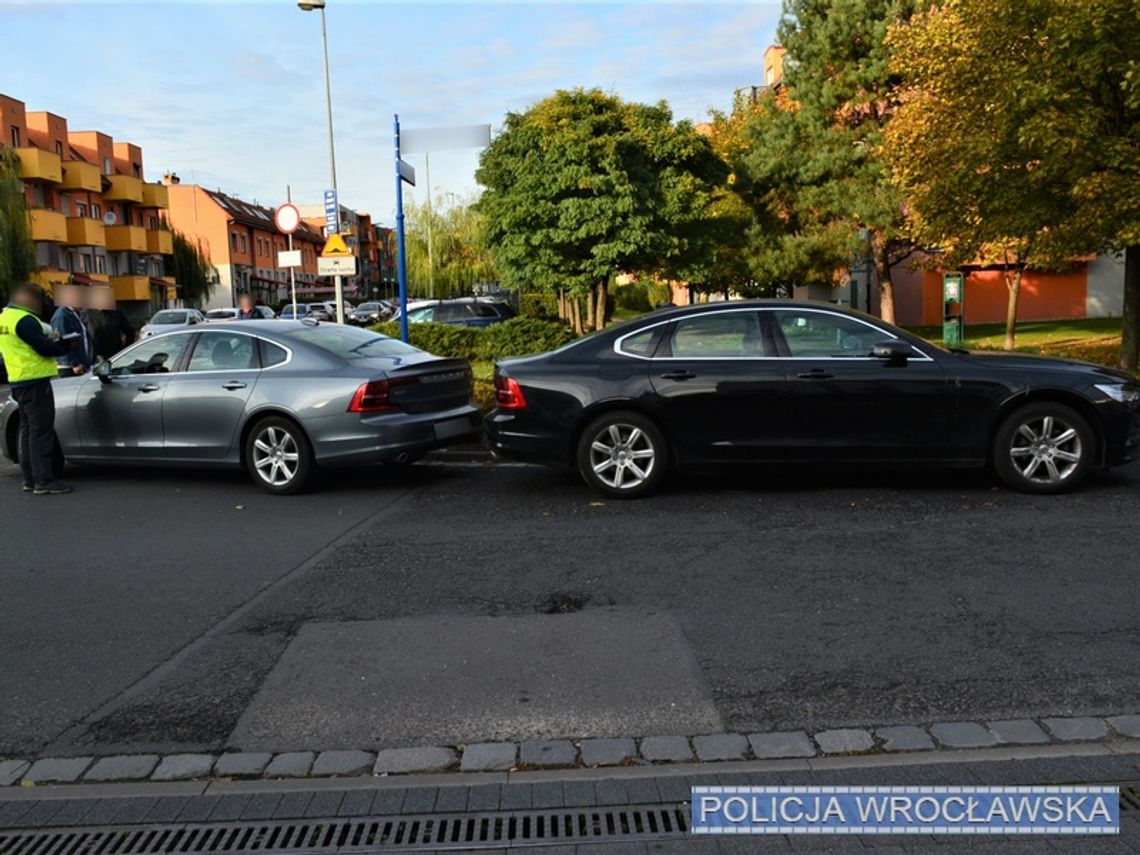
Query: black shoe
pixel 55 488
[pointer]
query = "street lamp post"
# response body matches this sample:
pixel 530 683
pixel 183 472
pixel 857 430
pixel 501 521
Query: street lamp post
pixel 309 6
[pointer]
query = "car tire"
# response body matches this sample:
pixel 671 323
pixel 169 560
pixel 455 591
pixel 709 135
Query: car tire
pixel 623 454
pixel 1044 448
pixel 278 456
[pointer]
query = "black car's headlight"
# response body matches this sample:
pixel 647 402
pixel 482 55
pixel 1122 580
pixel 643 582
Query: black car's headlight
pixel 1125 393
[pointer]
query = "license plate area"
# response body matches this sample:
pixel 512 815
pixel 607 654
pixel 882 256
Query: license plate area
pixel 452 428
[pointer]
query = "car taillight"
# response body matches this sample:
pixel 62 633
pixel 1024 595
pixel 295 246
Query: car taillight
pixel 508 393
pixel 372 397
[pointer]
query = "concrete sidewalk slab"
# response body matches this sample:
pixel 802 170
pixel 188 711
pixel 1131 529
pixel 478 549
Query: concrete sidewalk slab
pixel 446 679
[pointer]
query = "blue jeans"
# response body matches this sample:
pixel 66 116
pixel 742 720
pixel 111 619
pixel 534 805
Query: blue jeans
pixel 37 431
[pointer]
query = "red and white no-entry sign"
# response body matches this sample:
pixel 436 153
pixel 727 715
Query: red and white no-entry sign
pixel 287 219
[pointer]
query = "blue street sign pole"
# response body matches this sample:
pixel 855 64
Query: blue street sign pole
pixel 401 257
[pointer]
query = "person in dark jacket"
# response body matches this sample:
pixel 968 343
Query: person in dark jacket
pixel 67 321
pixel 30 348
pixel 246 310
pixel 115 331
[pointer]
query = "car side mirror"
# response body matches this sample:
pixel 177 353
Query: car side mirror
pixel 893 351
pixel 103 372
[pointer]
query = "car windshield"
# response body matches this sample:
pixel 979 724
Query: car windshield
pixel 217 314
pixel 352 342
pixel 368 307
pixel 169 318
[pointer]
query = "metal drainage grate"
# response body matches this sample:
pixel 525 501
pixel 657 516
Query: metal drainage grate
pixel 428 831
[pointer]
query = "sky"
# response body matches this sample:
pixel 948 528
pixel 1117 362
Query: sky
pixel 230 95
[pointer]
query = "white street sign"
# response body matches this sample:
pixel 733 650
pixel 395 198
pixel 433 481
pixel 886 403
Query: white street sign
pixel 287 219
pixel 289 258
pixel 336 265
pixel 418 140
pixel 407 172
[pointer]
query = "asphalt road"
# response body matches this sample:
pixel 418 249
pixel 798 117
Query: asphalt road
pixel 164 609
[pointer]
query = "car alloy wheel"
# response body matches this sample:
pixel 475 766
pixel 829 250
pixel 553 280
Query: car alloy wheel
pixel 278 455
pixel 622 454
pixel 1046 450
pixel 1044 447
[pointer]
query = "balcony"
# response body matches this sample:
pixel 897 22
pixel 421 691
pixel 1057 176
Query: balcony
pixel 124 188
pixel 155 196
pixel 160 242
pixel 47 225
pixel 126 238
pixel 80 175
pixel 131 287
pixel 39 165
pixel 84 231
pixel 49 279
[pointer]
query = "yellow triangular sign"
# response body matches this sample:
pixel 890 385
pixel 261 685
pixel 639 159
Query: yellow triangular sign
pixel 335 245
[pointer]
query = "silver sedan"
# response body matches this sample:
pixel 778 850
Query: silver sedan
pixel 280 398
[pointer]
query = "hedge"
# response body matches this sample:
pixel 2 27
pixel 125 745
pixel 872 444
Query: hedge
pixel 517 337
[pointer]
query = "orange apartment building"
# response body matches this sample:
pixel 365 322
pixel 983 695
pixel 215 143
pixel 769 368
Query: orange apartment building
pixel 94 218
pixel 241 242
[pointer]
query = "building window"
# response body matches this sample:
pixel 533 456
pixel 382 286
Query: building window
pixel 96 210
pixel 100 264
pixel 233 241
pixel 107 166
pixel 59 148
pixel 15 136
pixel 244 245
pixel 137 169
pixel 81 209
pixel 152 223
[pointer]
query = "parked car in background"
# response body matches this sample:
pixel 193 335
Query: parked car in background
pixel 321 311
pixel 230 314
pixel 461 311
pixel 369 313
pixel 169 320
pixel 287 312
pixel 738 383
pixel 281 399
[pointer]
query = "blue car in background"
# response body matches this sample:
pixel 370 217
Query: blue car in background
pixel 287 312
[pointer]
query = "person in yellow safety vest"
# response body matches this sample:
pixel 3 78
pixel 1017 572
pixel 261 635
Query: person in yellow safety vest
pixel 29 348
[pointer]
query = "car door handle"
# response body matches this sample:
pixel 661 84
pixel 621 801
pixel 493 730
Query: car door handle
pixel 815 374
pixel 233 384
pixel 149 387
pixel 678 375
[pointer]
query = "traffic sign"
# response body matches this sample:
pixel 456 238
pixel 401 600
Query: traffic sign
pixel 332 213
pixel 289 258
pixel 336 265
pixel 407 172
pixel 287 219
pixel 335 246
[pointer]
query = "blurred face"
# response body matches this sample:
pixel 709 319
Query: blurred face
pixel 29 300
pixel 102 298
pixel 246 302
pixel 68 295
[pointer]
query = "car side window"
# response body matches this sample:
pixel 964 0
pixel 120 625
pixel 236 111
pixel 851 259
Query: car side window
pixel 156 355
pixel 424 315
pixel 482 310
pixel 452 312
pixel 640 343
pixel 723 335
pixel 218 351
pixel 823 335
pixel 272 354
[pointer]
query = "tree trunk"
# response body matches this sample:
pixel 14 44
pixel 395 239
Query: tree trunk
pixel 886 288
pixel 1130 334
pixel 561 305
pixel 1014 285
pixel 600 307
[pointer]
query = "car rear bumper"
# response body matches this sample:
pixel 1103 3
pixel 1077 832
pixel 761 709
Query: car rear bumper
pixel 389 437
pixel 510 437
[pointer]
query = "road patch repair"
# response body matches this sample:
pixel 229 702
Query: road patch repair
pixel 448 678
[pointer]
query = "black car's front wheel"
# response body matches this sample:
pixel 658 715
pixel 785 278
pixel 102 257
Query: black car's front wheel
pixel 278 456
pixel 1044 447
pixel 623 454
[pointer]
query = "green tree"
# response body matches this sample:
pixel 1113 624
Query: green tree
pixel 458 260
pixel 193 273
pixel 17 252
pixel 583 186
pixel 815 174
pixel 987 176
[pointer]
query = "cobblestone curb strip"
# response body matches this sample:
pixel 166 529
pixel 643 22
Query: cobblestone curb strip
pixel 567 753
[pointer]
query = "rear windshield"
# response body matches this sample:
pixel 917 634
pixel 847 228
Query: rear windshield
pixel 220 313
pixel 352 342
pixel 169 318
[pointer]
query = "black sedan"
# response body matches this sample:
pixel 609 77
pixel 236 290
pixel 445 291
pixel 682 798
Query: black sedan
pixel 775 381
